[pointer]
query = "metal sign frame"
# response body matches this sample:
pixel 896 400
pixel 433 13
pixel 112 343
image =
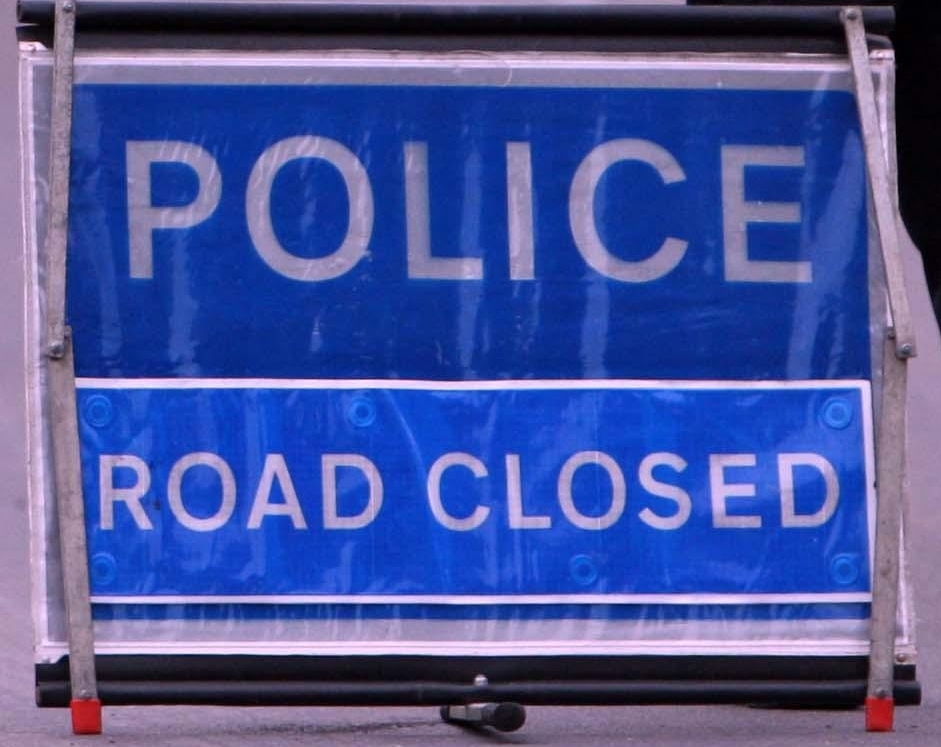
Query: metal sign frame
pixel 900 346
pixel 885 685
pixel 85 705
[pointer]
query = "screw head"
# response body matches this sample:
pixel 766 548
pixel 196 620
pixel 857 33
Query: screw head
pixel 361 411
pixel 583 570
pixel 481 680
pixel 845 569
pixel 837 413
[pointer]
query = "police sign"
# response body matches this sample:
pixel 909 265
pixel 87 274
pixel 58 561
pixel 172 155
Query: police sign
pixel 368 337
pixel 394 224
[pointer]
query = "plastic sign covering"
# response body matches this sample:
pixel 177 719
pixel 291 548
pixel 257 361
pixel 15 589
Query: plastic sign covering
pixel 407 353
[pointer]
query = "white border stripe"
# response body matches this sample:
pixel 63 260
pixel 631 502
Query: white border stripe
pixel 474 385
pixel 522 599
pixel 51 652
pixel 586 70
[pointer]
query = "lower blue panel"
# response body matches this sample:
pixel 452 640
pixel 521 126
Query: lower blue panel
pixel 510 492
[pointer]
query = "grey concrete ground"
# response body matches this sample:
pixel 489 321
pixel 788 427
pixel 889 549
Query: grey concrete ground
pixel 22 724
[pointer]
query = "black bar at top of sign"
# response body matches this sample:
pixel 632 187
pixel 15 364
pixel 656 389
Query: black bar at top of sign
pixel 441 18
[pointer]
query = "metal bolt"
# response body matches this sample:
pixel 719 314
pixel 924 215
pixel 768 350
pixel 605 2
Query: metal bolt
pixel 851 14
pixel 901 658
pixel 57 350
pixel 906 350
pixel 882 693
pixel 481 681
pixel 837 413
pixel 68 6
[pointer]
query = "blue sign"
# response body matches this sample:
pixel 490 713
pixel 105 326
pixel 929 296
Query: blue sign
pixel 531 491
pixel 349 336
pixel 468 232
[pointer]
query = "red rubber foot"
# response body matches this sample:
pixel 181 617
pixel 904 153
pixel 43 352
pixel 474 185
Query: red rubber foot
pixel 86 716
pixel 880 713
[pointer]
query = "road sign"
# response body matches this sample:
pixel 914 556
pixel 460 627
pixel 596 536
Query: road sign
pixel 531 492
pixel 468 347
pixel 403 221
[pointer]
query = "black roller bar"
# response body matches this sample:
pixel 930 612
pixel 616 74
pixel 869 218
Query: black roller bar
pixel 462 669
pixel 444 18
pixel 417 680
pixel 830 694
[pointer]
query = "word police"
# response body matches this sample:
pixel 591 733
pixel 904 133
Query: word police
pixel 125 480
pixel 144 217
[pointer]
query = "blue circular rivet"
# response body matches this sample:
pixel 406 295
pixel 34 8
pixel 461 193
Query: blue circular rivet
pixel 98 411
pixel 837 413
pixel 583 570
pixel 362 411
pixel 104 569
pixel 844 569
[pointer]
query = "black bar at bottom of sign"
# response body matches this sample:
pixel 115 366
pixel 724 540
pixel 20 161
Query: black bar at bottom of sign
pixel 835 694
pixel 817 682
pixel 454 17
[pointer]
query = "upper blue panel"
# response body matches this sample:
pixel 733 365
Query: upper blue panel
pixel 656 233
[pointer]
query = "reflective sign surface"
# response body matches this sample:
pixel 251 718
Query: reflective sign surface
pixel 465 353
pixel 465 232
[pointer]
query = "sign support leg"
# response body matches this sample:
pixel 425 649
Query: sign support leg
pixel 900 346
pixel 890 471
pixel 61 409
